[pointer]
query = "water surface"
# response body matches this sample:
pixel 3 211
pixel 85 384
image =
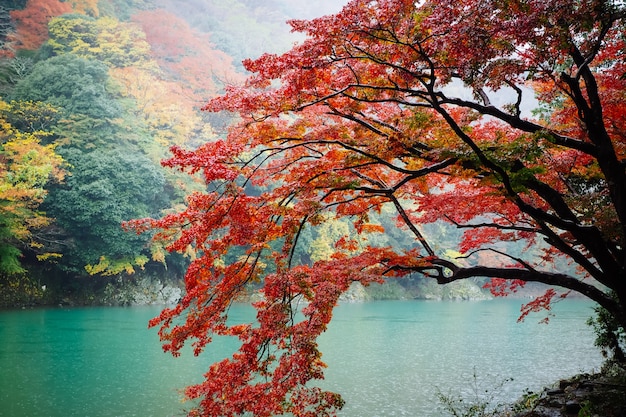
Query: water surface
pixel 386 358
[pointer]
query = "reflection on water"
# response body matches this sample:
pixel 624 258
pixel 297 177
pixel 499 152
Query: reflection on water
pixel 386 358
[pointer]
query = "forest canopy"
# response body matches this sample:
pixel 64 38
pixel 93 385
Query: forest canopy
pixel 100 90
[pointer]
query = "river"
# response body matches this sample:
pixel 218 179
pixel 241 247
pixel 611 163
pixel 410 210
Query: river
pixel 386 358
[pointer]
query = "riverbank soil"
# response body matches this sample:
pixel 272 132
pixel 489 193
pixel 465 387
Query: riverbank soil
pixel 587 395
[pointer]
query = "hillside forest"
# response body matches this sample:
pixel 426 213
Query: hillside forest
pixel 92 96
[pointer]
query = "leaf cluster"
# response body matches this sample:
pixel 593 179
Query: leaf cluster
pixel 99 90
pixel 26 167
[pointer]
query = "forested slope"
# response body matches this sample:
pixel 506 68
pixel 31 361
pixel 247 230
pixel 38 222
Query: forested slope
pixel 92 96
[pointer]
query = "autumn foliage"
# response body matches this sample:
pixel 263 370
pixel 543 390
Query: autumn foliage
pixel 32 22
pixel 186 56
pixel 424 109
pixel 26 166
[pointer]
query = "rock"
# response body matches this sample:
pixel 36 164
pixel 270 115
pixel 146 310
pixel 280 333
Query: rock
pixel 601 395
pixel 570 388
pixel 457 290
pixel 143 290
pixel 564 383
pixel 555 403
pixel 170 295
pixel 572 407
pixel 356 293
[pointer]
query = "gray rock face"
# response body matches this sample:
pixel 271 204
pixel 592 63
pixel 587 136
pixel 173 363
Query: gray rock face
pixel 144 290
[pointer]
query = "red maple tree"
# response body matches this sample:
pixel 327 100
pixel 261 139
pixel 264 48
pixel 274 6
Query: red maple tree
pixel 393 102
pixel 186 55
pixel 32 22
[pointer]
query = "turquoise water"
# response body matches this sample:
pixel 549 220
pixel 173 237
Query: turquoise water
pixel 386 358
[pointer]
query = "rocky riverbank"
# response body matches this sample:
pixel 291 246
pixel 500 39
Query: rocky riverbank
pixel 146 288
pixel 601 394
pixel 139 289
pixel 587 395
pixel 144 291
pixel 416 290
